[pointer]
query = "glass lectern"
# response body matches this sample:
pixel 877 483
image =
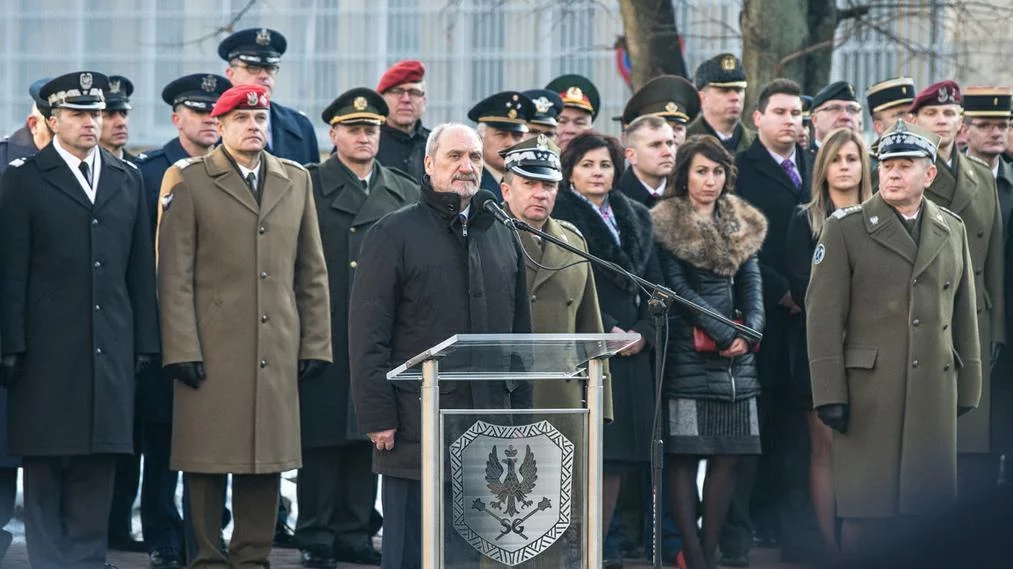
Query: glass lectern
pixel 512 487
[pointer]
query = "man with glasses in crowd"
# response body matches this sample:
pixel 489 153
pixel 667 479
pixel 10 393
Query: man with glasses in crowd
pixel 254 57
pixel 402 136
pixel 834 107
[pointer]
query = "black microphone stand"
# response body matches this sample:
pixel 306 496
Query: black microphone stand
pixel 659 304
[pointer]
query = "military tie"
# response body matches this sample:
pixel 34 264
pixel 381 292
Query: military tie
pixel 85 171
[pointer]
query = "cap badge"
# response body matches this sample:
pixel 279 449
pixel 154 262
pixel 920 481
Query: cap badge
pixel 728 63
pixel 542 105
pixel 542 142
pixel 903 89
pixel 944 94
pixel 512 113
pixel 574 94
pixel 86 81
pixel 251 98
pixel 263 100
pixel 360 103
pixel 209 83
pixel 672 107
pixel 995 102
pixel 851 89
pixel 114 85
pixel 263 37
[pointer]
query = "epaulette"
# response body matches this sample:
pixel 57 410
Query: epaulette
pixel 149 156
pixel 846 211
pixel 957 217
pixel 979 161
pixel 184 162
pixel 17 162
pixel 131 164
pixel 571 227
pixel 408 177
pixel 291 162
pixel 141 156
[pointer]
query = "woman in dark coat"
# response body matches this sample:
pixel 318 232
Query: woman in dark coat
pixel 617 229
pixel 707 244
pixel 840 179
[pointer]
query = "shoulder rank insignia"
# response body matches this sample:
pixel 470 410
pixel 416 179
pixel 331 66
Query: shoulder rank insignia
pixel 846 211
pixel 17 162
pixel 955 216
pixel 290 162
pixel 184 162
pixel 131 164
pixel 978 160
pixel 571 227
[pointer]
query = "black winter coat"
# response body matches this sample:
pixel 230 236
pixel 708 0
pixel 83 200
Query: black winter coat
pixel 419 281
pixel 78 285
pixel 403 151
pixel 623 304
pixel 633 188
pixel 345 214
pixel 714 265
pixel 799 250
pixel 292 135
pixel 765 185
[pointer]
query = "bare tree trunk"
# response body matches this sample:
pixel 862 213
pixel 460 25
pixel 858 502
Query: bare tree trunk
pixel 823 19
pixel 652 39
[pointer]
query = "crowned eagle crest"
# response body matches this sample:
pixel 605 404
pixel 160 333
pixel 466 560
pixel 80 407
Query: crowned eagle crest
pixel 510 489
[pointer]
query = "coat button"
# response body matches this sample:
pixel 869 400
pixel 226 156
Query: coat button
pixel 914 282
pixel 946 326
pixel 914 363
pixel 262 230
pixel 916 322
pixel 98 264
pixel 569 301
pixel 979 271
pixel 946 285
pixel 98 308
pixel 263 275
pixel 94 221
pixel 979 310
pixel 351 230
pixel 263 363
pixel 946 367
pixel 981 234
pixel 98 351
pixel 263 318
pixel 353 264
pixel 534 298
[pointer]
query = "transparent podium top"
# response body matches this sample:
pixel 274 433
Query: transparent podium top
pixel 487 357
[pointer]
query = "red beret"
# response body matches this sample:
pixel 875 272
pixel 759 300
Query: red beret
pixel 941 93
pixel 242 97
pixel 407 71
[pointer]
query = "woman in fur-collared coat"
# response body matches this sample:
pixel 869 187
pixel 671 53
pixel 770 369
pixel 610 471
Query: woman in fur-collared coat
pixel 707 240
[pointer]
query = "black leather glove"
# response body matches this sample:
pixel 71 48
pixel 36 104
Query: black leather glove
pixel 190 373
pixel 143 362
pixel 963 410
pixel 996 351
pixel 307 368
pixel 835 416
pixel 10 369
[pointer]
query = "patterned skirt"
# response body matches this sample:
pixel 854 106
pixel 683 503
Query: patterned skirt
pixel 707 427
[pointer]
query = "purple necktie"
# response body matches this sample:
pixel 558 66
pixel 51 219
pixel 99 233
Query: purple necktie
pixel 789 168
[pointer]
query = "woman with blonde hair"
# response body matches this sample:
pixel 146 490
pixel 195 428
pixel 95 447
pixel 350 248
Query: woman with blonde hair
pixel 841 178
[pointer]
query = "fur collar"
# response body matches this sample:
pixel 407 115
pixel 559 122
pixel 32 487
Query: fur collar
pixel 721 247
pixel 634 231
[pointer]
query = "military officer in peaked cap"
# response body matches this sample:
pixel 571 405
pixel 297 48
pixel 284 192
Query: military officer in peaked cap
pixel 888 101
pixel 79 322
pixel 908 259
pixel 352 190
pixel 116 118
pixel 987 123
pixel 502 122
pixel 548 105
pixel 721 81
pixel 668 96
pixel 191 99
pixel 834 106
pixel 581 103
pixel 967 187
pixel 254 58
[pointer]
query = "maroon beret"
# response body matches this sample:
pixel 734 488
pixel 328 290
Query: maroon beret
pixel 942 93
pixel 406 71
pixel 242 97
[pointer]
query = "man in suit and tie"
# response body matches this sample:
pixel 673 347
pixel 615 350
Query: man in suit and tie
pixel 774 176
pixel 78 321
pixel 337 489
pixel 502 122
pixel 254 58
pixel 967 187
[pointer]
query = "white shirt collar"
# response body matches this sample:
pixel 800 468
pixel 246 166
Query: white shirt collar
pixel 247 171
pixel 779 159
pixel 74 163
pixel 656 192
pixel 995 169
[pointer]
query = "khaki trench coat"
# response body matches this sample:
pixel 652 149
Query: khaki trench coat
pixel 972 195
pixel 562 302
pixel 893 333
pixel 243 288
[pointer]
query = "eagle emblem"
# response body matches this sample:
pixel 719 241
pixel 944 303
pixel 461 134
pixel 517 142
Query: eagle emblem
pixel 542 105
pixel 251 98
pixel 114 85
pixel 360 103
pixel 86 80
pixel 263 37
pixel 504 505
pixel 209 83
pixel 542 142
pixel 944 94
pixel 728 63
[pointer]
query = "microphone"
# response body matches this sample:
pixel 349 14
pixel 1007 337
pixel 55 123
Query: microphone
pixel 486 201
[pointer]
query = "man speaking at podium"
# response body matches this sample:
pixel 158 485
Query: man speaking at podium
pixel 426 272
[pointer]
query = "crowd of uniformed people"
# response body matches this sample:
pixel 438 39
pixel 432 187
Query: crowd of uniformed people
pixel 289 282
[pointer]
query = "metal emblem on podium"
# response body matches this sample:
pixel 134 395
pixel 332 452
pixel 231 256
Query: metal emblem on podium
pixel 511 489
